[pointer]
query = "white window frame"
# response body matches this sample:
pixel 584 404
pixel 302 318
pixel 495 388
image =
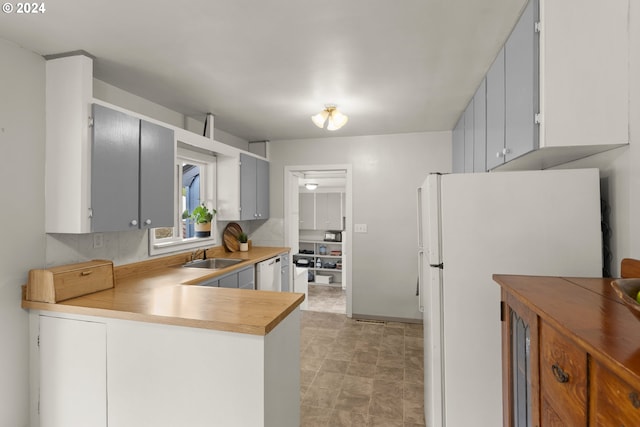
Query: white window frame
pixel 207 164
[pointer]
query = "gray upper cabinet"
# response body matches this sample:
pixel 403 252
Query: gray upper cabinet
pixel 495 112
pixel 262 195
pixel 248 187
pixel 131 173
pixel 469 140
pixel 157 160
pixel 254 188
pixel 243 187
pixel 114 170
pixel 468 137
pixel 457 153
pixel 548 102
pixel 480 128
pixel 521 53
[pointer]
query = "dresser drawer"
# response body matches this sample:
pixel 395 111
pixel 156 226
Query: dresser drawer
pixel 563 377
pixel 614 402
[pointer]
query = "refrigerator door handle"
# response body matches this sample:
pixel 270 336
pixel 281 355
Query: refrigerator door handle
pixel 420 225
pixel 420 280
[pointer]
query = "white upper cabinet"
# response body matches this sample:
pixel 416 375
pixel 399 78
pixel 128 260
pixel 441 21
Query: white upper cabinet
pixel 557 91
pixel 110 164
pixel 69 93
pixel 584 72
pixel 566 82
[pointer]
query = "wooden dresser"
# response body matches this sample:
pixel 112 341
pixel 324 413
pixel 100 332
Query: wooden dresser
pixel 570 351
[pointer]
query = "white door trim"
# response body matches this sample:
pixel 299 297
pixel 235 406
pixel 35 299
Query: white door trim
pixel 291 229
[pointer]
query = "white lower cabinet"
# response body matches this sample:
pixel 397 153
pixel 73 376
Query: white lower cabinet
pixel 73 373
pixel 165 376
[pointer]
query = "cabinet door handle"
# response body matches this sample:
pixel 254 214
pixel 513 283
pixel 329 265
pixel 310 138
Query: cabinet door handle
pixel 420 281
pixel 134 222
pixel 148 222
pixel 561 376
pixel 635 399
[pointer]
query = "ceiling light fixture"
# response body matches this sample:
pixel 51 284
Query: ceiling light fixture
pixel 311 186
pixel 335 118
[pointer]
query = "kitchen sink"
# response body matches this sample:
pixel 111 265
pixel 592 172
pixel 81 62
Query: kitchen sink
pixel 212 263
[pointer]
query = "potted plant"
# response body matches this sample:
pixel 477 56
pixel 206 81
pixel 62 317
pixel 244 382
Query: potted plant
pixel 202 217
pixel 244 241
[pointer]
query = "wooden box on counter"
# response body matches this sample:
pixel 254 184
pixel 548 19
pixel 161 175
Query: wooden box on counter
pixel 69 281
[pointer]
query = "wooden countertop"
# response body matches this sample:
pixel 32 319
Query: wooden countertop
pixel 160 291
pixel 588 310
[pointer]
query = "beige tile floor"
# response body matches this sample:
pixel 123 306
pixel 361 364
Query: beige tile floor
pixel 328 299
pixel 360 373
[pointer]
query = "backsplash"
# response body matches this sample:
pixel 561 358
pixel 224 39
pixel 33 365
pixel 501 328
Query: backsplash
pixel 122 247
pixel 125 247
pixel 268 233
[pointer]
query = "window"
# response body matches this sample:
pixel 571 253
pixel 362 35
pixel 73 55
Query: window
pixel 195 185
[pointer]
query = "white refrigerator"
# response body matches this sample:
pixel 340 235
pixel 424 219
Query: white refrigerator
pixel 470 227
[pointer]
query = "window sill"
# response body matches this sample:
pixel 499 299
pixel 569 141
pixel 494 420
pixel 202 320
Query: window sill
pixel 177 246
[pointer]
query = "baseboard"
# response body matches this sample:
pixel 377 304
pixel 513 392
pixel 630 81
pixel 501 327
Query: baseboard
pixel 355 316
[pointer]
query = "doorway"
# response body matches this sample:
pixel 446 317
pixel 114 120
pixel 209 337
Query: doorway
pixel 326 256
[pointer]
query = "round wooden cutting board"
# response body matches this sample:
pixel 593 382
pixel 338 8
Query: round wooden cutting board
pixel 230 237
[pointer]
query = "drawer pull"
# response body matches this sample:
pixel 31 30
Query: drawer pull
pixel 85 273
pixel 635 399
pixel 561 376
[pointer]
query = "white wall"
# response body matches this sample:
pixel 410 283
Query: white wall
pixel 124 99
pixel 620 168
pixel 22 121
pixel 387 170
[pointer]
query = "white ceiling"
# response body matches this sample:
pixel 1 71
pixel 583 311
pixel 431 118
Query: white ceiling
pixel 264 67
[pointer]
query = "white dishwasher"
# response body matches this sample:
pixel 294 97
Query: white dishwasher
pixel 268 274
